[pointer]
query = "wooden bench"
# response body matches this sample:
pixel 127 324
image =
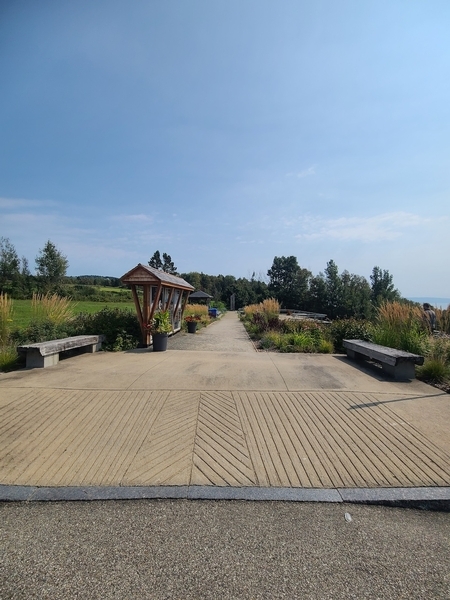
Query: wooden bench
pixel 397 363
pixel 46 354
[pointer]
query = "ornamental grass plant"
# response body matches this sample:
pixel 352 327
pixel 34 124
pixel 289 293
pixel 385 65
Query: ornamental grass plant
pixel 263 317
pixel 6 318
pixel 436 368
pixel 288 335
pixel 8 352
pixel 51 307
pixel 200 310
pixel 443 319
pixel 401 326
pixel 198 313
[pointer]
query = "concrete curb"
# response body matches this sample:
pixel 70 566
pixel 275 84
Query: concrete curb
pixel 426 498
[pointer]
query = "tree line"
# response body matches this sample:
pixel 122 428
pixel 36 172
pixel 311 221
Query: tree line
pixel 16 278
pixel 336 294
pixel 50 275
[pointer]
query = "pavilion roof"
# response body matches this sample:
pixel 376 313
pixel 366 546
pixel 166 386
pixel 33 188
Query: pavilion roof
pixel 144 274
pixel 200 295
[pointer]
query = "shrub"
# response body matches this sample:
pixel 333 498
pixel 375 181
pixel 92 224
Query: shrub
pixel 434 370
pixel 349 329
pixel 8 357
pixel 41 331
pixel 219 305
pixel 119 325
pixel 325 347
pixel 287 335
pixel 309 339
pixel 439 349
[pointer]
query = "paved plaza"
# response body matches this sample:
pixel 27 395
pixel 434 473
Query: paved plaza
pixel 212 413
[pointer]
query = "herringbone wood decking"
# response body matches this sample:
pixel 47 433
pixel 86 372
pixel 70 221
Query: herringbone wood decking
pixel 295 439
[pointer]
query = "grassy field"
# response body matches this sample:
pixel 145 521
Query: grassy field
pixel 22 309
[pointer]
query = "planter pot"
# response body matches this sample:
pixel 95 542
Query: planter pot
pixel 192 326
pixel 160 342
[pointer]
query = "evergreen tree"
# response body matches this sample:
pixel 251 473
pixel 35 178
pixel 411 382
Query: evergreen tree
pixel 165 264
pixel 382 287
pixel 156 261
pixel 168 265
pixel 333 285
pixel 51 266
pixel 9 267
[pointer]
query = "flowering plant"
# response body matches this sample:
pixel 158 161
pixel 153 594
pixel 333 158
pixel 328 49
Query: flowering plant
pixel 192 318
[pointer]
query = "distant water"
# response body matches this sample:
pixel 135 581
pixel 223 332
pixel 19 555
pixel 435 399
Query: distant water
pixel 436 302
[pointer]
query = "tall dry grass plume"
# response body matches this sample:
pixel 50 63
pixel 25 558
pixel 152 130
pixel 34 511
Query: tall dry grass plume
pixel 6 317
pixel 401 326
pixel 250 310
pixel 51 307
pixel 396 314
pixel 269 307
pixel 443 319
pixel 200 310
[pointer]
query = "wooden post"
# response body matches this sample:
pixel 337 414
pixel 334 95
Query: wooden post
pixel 146 314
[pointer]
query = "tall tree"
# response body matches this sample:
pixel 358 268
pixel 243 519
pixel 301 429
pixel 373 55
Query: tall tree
pixel 288 282
pixel 333 285
pixel 51 266
pixel 9 266
pixel 156 261
pixel 355 296
pixel 317 298
pixel 165 264
pixel 168 265
pixel 382 287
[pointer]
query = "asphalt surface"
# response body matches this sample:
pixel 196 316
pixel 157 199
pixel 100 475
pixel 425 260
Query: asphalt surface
pixel 168 549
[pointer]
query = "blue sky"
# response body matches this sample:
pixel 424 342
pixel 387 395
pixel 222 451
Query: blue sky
pixel 227 133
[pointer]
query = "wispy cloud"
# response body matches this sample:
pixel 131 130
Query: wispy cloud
pixel 20 203
pixel 137 218
pixel 387 226
pixel 304 173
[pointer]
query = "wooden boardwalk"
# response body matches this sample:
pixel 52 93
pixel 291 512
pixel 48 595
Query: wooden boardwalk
pixel 308 439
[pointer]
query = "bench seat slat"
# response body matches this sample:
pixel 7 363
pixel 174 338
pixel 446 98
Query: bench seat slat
pixel 56 346
pixel 390 356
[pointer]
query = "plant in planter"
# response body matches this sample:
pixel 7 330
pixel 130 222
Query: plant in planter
pixel 192 321
pixel 160 327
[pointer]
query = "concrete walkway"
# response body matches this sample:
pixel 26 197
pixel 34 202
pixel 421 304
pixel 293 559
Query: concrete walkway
pixel 214 418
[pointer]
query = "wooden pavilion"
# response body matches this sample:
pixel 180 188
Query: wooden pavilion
pixel 200 296
pixel 160 291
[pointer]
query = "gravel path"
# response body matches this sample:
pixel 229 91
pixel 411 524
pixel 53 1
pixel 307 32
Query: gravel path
pixel 227 334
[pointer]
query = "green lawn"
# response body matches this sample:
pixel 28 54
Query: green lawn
pixel 22 309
